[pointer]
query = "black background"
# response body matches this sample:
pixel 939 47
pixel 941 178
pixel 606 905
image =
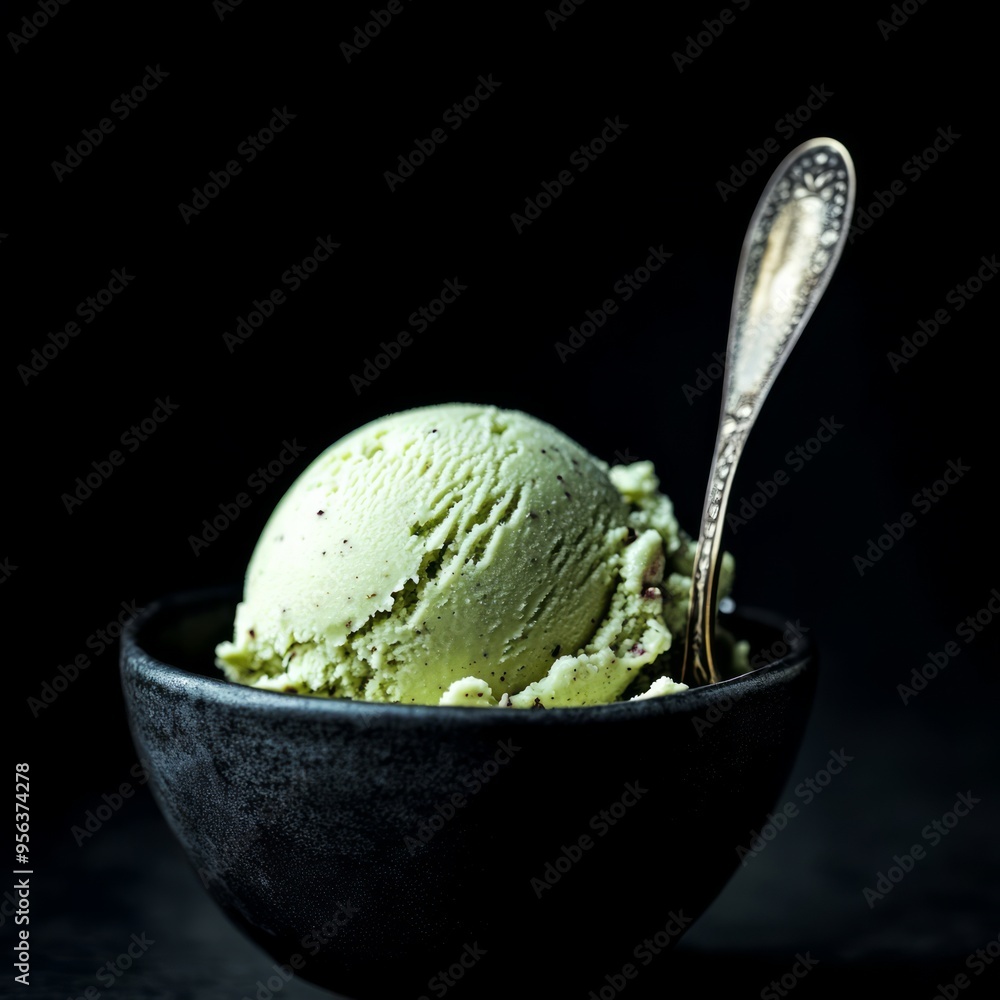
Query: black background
pixel 888 92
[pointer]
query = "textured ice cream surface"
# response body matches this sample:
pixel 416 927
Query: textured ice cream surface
pixel 465 555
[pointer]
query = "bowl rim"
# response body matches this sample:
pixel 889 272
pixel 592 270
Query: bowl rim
pixel 135 661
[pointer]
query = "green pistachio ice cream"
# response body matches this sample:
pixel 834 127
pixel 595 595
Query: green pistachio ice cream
pixel 466 555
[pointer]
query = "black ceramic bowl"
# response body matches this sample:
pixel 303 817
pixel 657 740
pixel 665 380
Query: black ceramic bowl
pixel 394 850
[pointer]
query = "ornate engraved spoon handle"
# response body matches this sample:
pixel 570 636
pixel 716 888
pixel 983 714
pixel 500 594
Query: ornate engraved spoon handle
pixel 791 249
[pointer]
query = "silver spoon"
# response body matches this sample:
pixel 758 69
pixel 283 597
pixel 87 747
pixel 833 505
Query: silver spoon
pixel 791 249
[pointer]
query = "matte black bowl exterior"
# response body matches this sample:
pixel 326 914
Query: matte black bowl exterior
pixel 391 850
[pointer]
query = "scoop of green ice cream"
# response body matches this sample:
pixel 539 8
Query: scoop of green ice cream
pixel 463 555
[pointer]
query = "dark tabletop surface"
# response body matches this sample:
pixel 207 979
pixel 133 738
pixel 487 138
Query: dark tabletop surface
pixel 120 115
